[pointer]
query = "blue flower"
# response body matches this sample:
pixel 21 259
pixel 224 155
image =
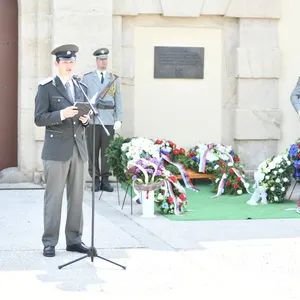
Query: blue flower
pixel 165 205
pixel 296 164
pixel 293 150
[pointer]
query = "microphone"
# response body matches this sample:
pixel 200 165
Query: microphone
pixel 76 77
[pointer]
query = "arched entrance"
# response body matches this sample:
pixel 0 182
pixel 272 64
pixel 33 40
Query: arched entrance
pixel 8 83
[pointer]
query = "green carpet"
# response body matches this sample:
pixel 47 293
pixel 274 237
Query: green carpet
pixel 202 207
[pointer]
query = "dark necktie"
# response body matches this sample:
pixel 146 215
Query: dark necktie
pixel 69 92
pixel 102 79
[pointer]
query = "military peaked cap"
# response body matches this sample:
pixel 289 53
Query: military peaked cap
pixel 101 53
pixel 65 52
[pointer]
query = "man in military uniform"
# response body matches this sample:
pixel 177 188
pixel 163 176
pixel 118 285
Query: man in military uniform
pixel 64 151
pixel 295 100
pixel 109 105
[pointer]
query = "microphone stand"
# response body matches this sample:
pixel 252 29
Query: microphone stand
pixel 92 250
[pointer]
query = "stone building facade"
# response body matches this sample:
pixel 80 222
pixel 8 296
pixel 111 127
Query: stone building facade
pixel 250 68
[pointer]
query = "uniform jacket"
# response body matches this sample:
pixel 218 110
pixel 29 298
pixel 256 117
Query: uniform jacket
pixel 295 97
pixel 60 136
pixel 112 98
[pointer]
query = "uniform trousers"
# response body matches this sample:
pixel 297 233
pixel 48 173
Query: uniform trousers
pixel 101 143
pixel 59 174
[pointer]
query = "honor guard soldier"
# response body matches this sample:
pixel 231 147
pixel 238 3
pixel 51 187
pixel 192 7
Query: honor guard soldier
pixel 295 100
pixel 64 151
pixel 109 105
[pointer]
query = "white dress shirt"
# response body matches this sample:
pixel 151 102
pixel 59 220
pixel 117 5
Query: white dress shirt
pixel 99 74
pixel 72 91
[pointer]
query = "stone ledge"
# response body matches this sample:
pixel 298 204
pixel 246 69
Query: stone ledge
pixel 179 8
pixel 215 7
pixel 254 9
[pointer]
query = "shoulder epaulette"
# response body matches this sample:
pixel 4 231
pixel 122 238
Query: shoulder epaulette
pixel 45 81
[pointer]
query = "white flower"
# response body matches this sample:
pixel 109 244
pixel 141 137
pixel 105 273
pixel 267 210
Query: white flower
pixel 283 189
pixel 276 198
pixel 239 192
pixel 160 196
pixel 272 165
pixel 277 180
pixel 280 170
pixel 217 180
pixel 230 164
pixel 285 179
pixel 216 167
pixel 288 162
pixel 274 172
pixel 272 189
pixel 267 177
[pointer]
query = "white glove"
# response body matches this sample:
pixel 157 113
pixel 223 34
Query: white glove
pixel 117 125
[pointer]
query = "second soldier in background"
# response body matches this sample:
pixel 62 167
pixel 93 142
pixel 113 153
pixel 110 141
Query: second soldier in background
pixel 109 105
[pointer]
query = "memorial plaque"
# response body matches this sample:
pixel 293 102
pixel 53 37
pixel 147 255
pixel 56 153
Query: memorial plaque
pixel 178 62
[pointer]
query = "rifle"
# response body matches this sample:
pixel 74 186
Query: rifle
pixel 105 90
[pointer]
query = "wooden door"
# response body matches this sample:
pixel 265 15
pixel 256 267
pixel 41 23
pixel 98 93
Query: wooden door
pixel 8 83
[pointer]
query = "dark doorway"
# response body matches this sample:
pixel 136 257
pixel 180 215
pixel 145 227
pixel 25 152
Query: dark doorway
pixel 8 83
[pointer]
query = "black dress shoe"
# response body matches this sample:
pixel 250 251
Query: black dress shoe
pixel 49 251
pixel 105 186
pixel 97 185
pixel 81 248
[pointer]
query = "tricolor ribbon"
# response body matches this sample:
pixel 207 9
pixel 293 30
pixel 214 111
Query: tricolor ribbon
pixel 168 189
pixel 221 186
pixel 187 182
pixel 238 174
pixel 203 156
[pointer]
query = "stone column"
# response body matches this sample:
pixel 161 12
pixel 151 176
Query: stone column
pixel 27 83
pixel 88 25
pixel 257 116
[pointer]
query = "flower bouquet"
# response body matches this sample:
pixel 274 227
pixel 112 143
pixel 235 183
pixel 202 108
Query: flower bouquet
pixel 175 155
pixel 170 198
pixel 294 157
pixel 276 176
pixel 146 175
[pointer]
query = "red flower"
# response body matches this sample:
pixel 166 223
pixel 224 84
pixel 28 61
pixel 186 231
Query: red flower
pixel 236 159
pixel 299 146
pixel 158 142
pixel 231 171
pixel 236 186
pixel 228 183
pixel 173 178
pixel 223 170
pixel 239 179
pixel 171 144
pixel 170 199
pixel 176 151
pixel 299 155
pixel 182 197
pixel 182 151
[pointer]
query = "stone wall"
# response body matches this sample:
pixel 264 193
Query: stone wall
pixel 251 65
pixel 250 118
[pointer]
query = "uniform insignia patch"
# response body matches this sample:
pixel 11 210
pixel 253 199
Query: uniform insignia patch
pixel 45 81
